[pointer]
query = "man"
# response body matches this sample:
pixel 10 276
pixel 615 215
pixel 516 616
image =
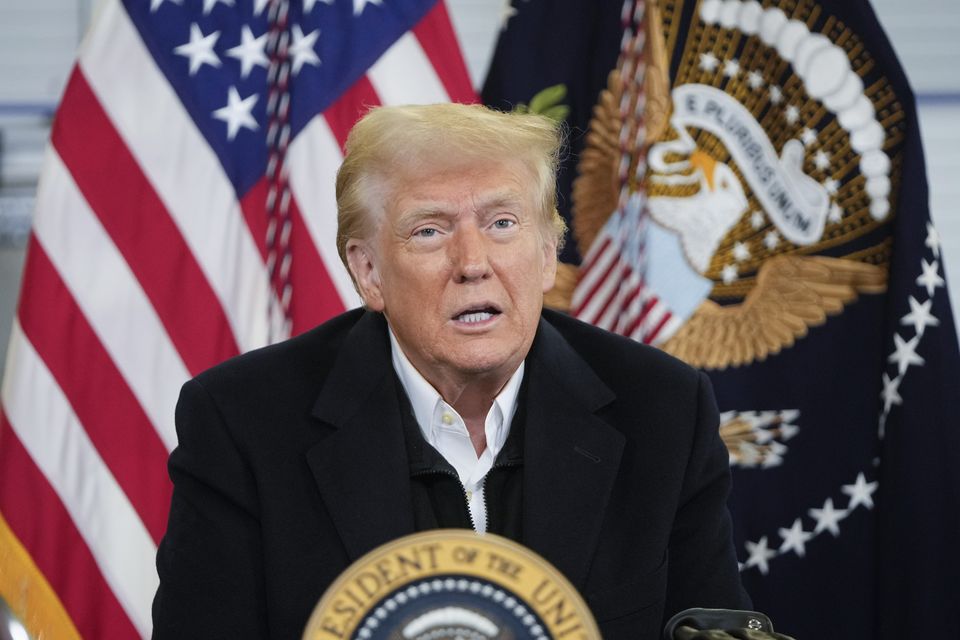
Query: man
pixel 451 400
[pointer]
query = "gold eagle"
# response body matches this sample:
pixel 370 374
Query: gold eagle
pixel 791 293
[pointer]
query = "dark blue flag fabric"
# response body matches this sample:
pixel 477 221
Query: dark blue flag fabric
pixel 778 237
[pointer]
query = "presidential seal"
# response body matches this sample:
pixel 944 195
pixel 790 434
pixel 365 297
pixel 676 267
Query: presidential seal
pixel 451 584
pixel 724 212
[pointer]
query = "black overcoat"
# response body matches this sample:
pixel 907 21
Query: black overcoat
pixel 291 464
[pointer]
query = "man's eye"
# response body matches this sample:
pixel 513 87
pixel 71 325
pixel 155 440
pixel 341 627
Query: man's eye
pixel 504 223
pixel 427 232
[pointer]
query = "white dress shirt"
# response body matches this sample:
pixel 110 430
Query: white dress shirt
pixel 446 431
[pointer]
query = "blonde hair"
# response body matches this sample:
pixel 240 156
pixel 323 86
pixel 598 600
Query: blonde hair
pixel 388 138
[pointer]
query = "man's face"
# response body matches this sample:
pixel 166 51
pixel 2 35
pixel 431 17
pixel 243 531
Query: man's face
pixel 458 263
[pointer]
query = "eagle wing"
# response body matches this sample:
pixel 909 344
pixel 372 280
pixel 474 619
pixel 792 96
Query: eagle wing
pixel 792 294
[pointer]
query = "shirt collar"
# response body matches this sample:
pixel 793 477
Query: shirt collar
pixel 424 399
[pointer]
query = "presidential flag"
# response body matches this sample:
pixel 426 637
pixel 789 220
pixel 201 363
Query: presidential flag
pixel 185 214
pixel 750 196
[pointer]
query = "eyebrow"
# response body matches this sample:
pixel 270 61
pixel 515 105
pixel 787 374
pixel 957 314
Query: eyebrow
pixel 430 211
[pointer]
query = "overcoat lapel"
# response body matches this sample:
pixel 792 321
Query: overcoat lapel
pixel 361 468
pixel 571 457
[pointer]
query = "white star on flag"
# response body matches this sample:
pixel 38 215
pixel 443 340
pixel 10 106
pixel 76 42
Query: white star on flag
pixel 250 52
pixel 155 4
pixel 302 48
pixel 795 538
pixel 920 316
pixel 729 274
pixel 208 5
pixel 905 353
pixel 731 68
pixel 808 136
pixel 708 62
pixel 259 6
pixel 890 393
pixel 360 5
pixel 776 94
pixel 828 518
pixel 930 279
pixel 237 113
pixel 933 240
pixel 860 492
pixel 831 185
pixel 821 160
pixel 199 49
pixel 755 80
pixel 760 555
pixel 756 219
pixel 741 252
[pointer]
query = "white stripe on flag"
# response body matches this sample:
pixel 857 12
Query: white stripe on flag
pixel 313 158
pixel 611 316
pixel 605 291
pixel 192 186
pixel 654 317
pixel 109 295
pixel 669 328
pixel 590 278
pixel 56 441
pixel 404 75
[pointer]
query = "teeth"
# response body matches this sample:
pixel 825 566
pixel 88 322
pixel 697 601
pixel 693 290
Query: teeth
pixel 479 316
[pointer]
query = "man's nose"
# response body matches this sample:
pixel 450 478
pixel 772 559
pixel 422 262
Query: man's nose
pixel 469 254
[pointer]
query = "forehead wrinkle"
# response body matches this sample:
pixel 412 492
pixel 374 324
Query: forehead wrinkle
pixel 428 208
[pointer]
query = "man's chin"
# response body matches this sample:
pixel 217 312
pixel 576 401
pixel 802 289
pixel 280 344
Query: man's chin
pixel 482 360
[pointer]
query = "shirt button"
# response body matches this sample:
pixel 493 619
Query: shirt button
pixel 447 418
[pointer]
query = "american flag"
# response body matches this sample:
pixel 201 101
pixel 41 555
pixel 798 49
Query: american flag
pixel 185 214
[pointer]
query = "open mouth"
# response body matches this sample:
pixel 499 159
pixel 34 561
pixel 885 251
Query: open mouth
pixel 477 315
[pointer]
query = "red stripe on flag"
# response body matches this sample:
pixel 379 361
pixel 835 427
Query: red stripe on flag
pixel 625 308
pixel 644 312
pixel 316 299
pixel 254 207
pixel 652 335
pixel 593 257
pixel 112 183
pixel 616 294
pixel 602 280
pixel 110 414
pixel 41 523
pixel 352 103
pixel 439 41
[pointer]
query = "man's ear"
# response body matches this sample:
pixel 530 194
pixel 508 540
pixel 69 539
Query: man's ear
pixel 363 268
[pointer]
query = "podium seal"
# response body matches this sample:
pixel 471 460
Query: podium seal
pixel 451 584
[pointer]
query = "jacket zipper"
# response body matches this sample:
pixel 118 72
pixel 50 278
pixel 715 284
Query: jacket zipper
pixel 452 474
